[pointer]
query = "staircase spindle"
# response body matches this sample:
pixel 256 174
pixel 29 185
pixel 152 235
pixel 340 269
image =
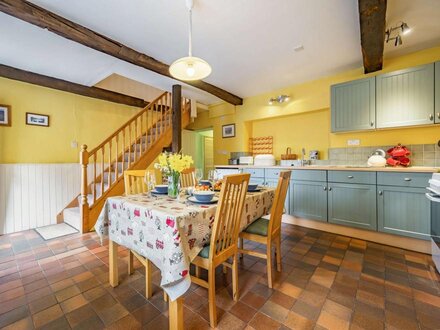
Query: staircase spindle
pixel 102 169
pixel 94 178
pixel 116 156
pixel 84 207
pixel 130 146
pixel 141 134
pixel 123 150
pixel 109 181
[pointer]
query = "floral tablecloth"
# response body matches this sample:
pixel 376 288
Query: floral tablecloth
pixel 169 232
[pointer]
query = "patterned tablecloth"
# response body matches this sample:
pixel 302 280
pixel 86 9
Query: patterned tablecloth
pixel 169 232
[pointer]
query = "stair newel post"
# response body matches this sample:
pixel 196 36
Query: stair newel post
pixel 84 207
pixel 177 118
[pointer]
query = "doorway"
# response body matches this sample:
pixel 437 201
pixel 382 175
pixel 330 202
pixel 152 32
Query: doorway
pixel 200 146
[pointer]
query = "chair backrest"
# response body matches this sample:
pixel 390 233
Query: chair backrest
pixel 278 202
pixel 228 215
pixel 188 178
pixel 134 181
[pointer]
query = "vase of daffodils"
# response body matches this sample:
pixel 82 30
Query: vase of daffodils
pixel 171 165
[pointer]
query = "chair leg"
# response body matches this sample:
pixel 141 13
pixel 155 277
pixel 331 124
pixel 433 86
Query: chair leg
pixel 278 249
pixel 211 295
pixel 148 286
pixel 197 271
pixel 165 296
pixel 269 264
pixel 235 277
pixel 130 263
pixel 225 269
pixel 241 246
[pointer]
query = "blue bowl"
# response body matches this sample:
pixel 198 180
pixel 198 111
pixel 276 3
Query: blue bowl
pixel 252 186
pixel 161 188
pixel 205 183
pixel 204 196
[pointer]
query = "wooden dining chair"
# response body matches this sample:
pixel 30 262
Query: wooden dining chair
pixel 224 237
pixel 134 181
pixel 188 178
pixel 268 232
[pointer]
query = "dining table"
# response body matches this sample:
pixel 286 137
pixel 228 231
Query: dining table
pixel 170 233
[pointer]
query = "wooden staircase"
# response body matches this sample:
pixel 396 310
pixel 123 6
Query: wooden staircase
pixel 135 145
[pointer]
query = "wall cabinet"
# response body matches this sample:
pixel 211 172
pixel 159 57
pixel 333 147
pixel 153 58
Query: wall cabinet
pixel 308 200
pixel 352 205
pixel 403 211
pixel 437 92
pixel 405 97
pixel 353 105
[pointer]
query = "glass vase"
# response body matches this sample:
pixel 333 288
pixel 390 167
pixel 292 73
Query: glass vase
pixel 173 185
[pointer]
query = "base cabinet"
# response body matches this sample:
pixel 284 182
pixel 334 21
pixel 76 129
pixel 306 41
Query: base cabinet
pixel 352 205
pixel 403 211
pixel 273 184
pixel 308 200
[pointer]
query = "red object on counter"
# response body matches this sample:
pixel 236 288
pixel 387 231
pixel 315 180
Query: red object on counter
pixel 398 155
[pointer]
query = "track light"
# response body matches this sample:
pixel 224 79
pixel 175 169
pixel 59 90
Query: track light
pixel 279 99
pixel 403 27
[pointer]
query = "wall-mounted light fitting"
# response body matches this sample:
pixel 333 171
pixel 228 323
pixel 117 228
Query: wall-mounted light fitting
pixel 279 99
pixel 393 33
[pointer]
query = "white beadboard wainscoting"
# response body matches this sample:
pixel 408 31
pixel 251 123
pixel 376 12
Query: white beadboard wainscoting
pixel 31 195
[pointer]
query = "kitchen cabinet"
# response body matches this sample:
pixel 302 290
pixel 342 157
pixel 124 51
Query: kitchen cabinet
pixel 352 205
pixel 257 175
pixel 308 199
pixel 273 184
pixel 403 211
pixel 437 92
pixel 405 97
pixel 353 105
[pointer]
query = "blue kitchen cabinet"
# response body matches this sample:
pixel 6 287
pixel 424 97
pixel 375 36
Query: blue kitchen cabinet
pixel 308 199
pixel 403 211
pixel 257 175
pixel 405 97
pixel 273 184
pixel 437 92
pixel 352 205
pixel 353 105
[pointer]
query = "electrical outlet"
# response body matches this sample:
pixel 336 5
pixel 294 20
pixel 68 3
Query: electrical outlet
pixel 356 142
pixel 74 144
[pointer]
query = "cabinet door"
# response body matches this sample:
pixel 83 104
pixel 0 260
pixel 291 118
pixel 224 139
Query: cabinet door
pixel 403 211
pixel 273 184
pixel 352 205
pixel 437 92
pixel 353 105
pixel 308 200
pixel 258 181
pixel 405 97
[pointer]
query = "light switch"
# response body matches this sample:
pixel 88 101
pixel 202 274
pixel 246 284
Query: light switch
pixel 74 144
pixel 355 142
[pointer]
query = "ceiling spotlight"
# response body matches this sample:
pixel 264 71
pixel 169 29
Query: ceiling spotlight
pixel 393 33
pixel 279 99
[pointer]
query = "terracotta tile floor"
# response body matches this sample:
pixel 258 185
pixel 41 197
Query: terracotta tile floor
pixel 328 282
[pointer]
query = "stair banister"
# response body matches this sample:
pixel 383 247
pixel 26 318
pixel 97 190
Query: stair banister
pixel 84 207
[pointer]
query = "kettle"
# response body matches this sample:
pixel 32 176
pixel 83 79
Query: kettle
pixel 377 159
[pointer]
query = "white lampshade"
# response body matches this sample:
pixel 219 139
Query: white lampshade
pixel 190 68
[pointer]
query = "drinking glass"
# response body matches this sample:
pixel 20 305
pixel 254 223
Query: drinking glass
pixel 150 181
pixel 199 174
pixel 212 176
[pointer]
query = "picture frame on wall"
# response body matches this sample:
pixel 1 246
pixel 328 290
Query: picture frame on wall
pixel 5 115
pixel 37 119
pixel 228 131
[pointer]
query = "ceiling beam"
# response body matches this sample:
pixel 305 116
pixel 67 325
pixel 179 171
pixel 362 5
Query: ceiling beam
pixel 45 19
pixel 372 22
pixel 66 86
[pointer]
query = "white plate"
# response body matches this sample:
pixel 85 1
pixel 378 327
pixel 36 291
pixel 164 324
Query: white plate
pixel 195 200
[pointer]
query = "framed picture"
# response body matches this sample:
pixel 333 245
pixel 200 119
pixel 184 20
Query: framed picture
pixel 228 131
pixel 37 119
pixel 5 115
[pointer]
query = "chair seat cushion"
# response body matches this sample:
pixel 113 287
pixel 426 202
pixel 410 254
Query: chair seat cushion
pixel 258 227
pixel 204 253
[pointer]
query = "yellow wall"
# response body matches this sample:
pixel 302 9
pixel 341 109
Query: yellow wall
pixel 72 117
pixel 305 120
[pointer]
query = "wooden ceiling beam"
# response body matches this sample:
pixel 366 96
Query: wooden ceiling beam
pixel 45 19
pixel 66 86
pixel 372 14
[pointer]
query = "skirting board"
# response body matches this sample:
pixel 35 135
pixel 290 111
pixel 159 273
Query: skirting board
pixel 407 243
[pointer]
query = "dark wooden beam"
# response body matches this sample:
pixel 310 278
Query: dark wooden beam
pixel 177 118
pixel 372 21
pixel 45 19
pixel 66 86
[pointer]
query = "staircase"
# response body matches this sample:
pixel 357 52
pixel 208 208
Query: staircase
pixel 135 145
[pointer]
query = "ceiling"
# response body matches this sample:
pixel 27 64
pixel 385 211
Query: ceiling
pixel 249 43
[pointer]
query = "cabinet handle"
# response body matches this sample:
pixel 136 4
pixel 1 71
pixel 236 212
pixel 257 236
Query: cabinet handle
pixel 407 179
pixel 380 193
pixel 325 188
pixel 438 115
pixel 431 117
pixel 329 188
pixel 372 123
pixel 350 176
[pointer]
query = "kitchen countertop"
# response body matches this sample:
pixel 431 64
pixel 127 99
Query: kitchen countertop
pixel 418 169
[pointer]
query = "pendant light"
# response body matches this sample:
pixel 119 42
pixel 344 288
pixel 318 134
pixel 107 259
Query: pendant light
pixel 190 68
